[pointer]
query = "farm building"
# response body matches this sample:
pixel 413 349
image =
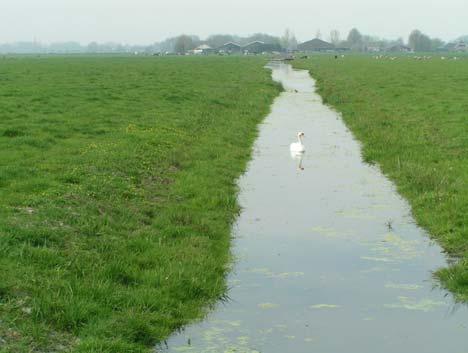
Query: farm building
pixel 454 46
pixel 259 47
pixel 203 49
pixel 460 46
pixel 373 49
pixel 316 45
pixel 400 48
pixel 342 49
pixel 229 48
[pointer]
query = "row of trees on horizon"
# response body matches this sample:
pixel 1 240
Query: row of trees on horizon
pixel 354 40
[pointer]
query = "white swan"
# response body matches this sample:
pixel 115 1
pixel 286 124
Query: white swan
pixel 298 146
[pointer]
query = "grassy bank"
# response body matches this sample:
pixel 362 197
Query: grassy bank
pixel 117 192
pixel 412 119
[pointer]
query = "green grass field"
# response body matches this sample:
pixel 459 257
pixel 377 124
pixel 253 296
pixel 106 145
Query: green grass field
pixel 117 194
pixel 412 119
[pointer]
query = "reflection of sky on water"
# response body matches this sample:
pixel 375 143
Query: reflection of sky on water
pixel 328 257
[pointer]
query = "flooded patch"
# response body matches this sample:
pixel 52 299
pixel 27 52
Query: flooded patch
pixel 329 258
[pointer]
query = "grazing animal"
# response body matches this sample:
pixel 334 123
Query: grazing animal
pixel 298 146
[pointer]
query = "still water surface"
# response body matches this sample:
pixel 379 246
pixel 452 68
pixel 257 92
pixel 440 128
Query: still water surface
pixel 329 259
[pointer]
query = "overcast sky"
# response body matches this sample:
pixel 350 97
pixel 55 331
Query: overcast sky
pixel 147 21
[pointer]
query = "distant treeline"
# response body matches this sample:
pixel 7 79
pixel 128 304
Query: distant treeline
pixel 417 41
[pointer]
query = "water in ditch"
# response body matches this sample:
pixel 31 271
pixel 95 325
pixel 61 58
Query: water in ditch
pixel 328 257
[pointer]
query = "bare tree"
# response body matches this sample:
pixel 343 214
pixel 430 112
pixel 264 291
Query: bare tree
pixel 217 40
pixel 335 37
pixel 355 39
pixel 183 44
pixel 436 43
pixel 288 40
pixel 419 41
pixel 262 37
pixel 318 34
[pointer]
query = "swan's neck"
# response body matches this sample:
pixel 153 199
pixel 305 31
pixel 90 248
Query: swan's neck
pixel 299 138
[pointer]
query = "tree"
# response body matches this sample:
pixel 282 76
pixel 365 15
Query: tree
pixel 168 45
pixel 413 39
pixel 436 43
pixel 335 37
pixel 183 44
pixel 288 40
pixel 419 41
pixel 355 39
pixel 93 47
pixel 262 37
pixel 217 40
pixel 195 41
pixel 318 35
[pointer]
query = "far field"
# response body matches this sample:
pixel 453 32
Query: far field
pixel 117 194
pixel 412 119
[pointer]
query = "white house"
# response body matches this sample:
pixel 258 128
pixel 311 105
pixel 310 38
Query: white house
pixel 202 49
pixel 461 46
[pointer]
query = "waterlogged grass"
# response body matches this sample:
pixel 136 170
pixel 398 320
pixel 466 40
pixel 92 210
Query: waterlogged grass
pixel 412 119
pixel 324 306
pixel 413 304
pixel 117 192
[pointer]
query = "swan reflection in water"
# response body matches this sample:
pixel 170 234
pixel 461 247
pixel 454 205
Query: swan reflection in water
pixel 298 156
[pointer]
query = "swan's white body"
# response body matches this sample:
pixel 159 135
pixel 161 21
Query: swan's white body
pixel 298 146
